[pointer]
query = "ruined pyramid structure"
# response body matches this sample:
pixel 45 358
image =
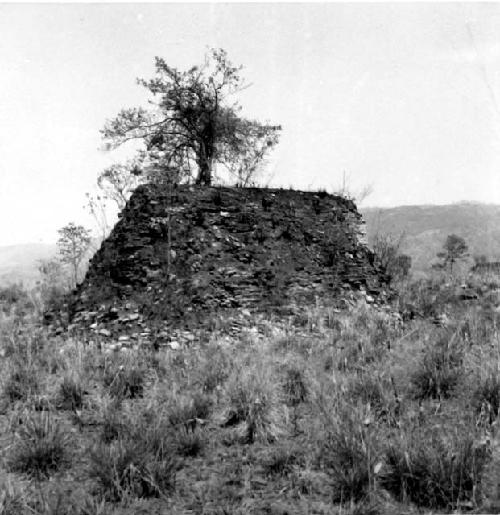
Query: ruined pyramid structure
pixel 180 255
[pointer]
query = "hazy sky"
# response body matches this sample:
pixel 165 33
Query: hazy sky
pixel 400 96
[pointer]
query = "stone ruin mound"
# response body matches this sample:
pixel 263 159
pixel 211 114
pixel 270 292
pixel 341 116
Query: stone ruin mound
pixel 180 256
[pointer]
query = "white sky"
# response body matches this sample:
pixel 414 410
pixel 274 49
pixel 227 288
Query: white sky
pixel 399 96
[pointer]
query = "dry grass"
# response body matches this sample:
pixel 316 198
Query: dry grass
pixel 40 445
pixel 339 412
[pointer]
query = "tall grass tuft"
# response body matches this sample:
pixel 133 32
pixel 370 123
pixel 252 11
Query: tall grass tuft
pixel 124 380
pixel 436 468
pixel 295 385
pixel 127 467
pixel 70 393
pixel 439 370
pixel 212 368
pixel 254 397
pixel 40 446
pixel 21 383
pixel 486 398
pixel 348 453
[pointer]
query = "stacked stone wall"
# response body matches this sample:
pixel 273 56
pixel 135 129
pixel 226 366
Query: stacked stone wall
pixel 183 254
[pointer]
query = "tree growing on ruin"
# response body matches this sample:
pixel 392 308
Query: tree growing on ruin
pixel 73 244
pixel 454 249
pixel 194 123
pixel 117 182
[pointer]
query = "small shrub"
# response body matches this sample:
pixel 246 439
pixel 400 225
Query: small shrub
pixel 40 447
pixel 436 470
pixel 127 467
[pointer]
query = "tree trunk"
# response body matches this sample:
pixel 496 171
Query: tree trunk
pixel 206 155
pixel 205 173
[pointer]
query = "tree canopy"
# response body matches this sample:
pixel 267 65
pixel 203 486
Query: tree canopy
pixel 454 249
pixel 193 124
pixel 73 244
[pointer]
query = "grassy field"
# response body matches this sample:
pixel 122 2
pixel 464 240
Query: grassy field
pixel 352 412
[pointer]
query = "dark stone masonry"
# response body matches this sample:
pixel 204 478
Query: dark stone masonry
pixel 178 256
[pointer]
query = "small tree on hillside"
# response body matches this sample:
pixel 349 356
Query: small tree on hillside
pixel 115 184
pixel 73 243
pixel 193 124
pixel 455 249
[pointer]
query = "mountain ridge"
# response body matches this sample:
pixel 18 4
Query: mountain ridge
pixel 19 262
pixel 425 228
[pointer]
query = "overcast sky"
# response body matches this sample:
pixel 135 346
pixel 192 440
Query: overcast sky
pixel 402 97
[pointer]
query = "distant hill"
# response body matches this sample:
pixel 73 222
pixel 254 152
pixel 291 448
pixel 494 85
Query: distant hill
pixel 426 228
pixel 18 263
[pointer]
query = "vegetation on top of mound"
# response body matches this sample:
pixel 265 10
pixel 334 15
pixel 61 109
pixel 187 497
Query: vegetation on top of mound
pixel 195 123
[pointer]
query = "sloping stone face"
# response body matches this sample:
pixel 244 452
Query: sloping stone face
pixel 187 252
